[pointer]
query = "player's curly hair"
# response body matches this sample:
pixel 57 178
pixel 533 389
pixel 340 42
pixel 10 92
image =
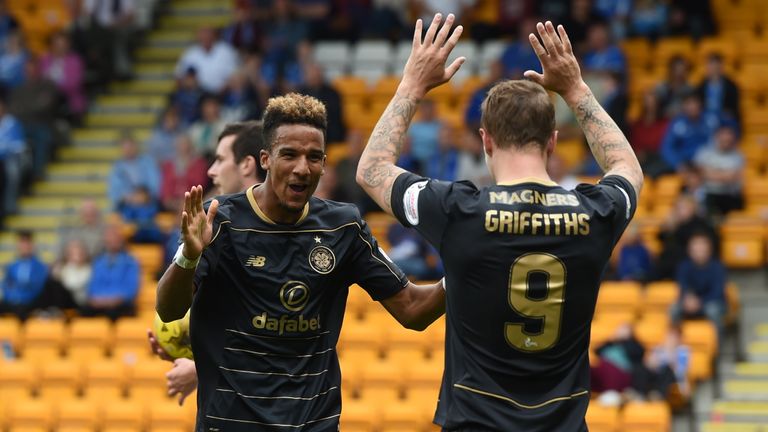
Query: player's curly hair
pixel 292 108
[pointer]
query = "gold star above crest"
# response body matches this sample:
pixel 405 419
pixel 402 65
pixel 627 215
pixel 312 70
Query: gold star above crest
pixel 317 239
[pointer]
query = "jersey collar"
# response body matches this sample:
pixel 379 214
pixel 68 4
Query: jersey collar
pixel 528 180
pixel 263 216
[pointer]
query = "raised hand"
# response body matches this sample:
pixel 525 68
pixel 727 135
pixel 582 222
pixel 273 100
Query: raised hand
pixel 560 68
pixel 196 224
pixel 425 68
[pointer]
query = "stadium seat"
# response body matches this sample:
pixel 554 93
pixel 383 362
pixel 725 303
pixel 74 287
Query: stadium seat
pixel 123 416
pixel 75 415
pixel 359 416
pixel 743 253
pixel 150 257
pixel 601 418
pixel 105 379
pixel 725 47
pixel 10 331
pixel 645 417
pixel 667 48
pixel 148 380
pixel 383 373
pixel 667 189
pixel 89 338
pixel 168 416
pixel 17 380
pixel 618 296
pixel 30 414
pixel 60 380
pixel 424 374
pixel 637 51
pixel 131 339
pixel 402 416
pixel 651 330
pixel 659 296
pixel 700 335
pixel 332 53
pixel 46 334
pixel 405 355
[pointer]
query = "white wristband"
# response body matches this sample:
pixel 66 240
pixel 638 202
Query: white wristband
pixel 443 280
pixel 183 261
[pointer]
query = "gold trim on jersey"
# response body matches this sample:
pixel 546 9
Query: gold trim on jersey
pixel 528 180
pixel 518 404
pixel 218 231
pixel 304 375
pixel 377 258
pixel 275 424
pixel 283 338
pixel 301 398
pixel 278 354
pixel 298 231
pixel 263 216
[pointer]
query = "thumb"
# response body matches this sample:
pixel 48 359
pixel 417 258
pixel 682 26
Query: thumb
pixel 182 396
pixel 534 76
pixel 451 70
pixel 212 210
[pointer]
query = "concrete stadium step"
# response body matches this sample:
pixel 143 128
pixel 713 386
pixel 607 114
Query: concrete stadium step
pixel 71 188
pixel 90 154
pixel 198 7
pixel 129 103
pixel 105 136
pixel 91 171
pixel 160 53
pixel 171 38
pixel 7 256
pixel 742 411
pixel 144 87
pixel 740 389
pixel 757 351
pixel 194 22
pixel 47 239
pixel 154 70
pixel 749 370
pixel 61 205
pixel 121 119
pixel 761 331
pixel 33 222
pixel 731 427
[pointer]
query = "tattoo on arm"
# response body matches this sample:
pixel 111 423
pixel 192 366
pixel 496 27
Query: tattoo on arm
pixel 607 142
pixel 377 163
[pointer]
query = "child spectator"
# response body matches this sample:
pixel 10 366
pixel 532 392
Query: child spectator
pixel 73 273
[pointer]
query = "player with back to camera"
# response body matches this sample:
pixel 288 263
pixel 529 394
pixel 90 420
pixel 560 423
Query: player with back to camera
pixel 267 272
pixel 524 257
pixel 235 168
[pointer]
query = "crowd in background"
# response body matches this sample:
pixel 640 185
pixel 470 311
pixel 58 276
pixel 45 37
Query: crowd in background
pixel 684 127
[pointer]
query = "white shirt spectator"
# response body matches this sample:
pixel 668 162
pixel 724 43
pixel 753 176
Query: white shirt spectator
pixel 213 67
pixel 104 10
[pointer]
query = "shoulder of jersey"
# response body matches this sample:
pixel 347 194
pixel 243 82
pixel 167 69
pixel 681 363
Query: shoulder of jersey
pixel 335 211
pixel 226 202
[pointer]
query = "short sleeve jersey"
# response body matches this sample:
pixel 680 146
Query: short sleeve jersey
pixel 268 309
pixel 523 264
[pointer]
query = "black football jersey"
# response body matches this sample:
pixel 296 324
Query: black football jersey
pixel 523 264
pixel 268 310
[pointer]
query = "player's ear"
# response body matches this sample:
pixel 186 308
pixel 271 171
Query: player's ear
pixel 264 160
pixel 325 158
pixel 551 143
pixel 248 166
pixel 487 142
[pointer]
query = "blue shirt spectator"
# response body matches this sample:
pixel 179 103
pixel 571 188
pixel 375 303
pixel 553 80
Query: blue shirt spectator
pixel 424 134
pixel 25 277
pixel 648 18
pixel 519 56
pixel 12 62
pixel 11 135
pixel 132 172
pixel 472 114
pixel 705 281
pixel 187 98
pixel 687 133
pixel 634 262
pixel 115 275
pixel 161 145
pixel 602 55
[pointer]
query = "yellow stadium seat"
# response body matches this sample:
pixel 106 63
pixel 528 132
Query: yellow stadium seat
pixel 131 339
pixel 645 417
pixel 733 300
pixel 78 415
pixel 385 88
pixel 30 414
pixel 667 48
pixel 150 257
pixel 383 373
pixel 351 87
pixel 700 335
pixel 359 416
pixel 743 253
pixel 125 415
pixel 105 379
pixel 424 374
pixel 756 191
pixel 637 51
pixel 59 380
pixel 17 380
pixel 651 330
pixel 659 296
pixel 45 333
pixel 602 332
pixel 435 334
pixel 10 330
pixel 405 355
pixel 94 333
pixel 380 395
pixel 755 121
pixel 148 380
pixel 601 418
pixel 400 337
pixel 725 47
pixel 362 335
pixel 168 416
pixel 402 416
pixel 667 189
pixel 618 296
pixel 700 366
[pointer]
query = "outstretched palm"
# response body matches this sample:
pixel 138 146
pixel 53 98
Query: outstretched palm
pixel 196 223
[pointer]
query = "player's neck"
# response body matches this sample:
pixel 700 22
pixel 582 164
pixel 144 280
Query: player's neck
pixel 512 166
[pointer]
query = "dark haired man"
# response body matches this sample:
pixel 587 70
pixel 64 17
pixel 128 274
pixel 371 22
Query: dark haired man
pixel 524 257
pixel 266 272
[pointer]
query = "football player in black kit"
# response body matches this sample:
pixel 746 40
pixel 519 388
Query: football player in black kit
pixel 524 257
pixel 266 272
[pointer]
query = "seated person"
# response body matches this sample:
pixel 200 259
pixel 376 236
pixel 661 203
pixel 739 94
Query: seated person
pixel 721 166
pixel 634 258
pixel 140 210
pixel 24 278
pixel 132 171
pixel 114 281
pixel 702 279
pixel 412 254
pixel 73 273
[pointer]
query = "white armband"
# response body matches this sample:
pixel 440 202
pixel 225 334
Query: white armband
pixel 183 261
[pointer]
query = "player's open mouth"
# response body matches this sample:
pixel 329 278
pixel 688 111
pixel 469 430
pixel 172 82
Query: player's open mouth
pixel 298 188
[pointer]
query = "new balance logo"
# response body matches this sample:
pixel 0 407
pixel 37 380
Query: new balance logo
pixel 256 261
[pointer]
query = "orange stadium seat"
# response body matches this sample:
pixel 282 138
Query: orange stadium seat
pixel 359 416
pixel 667 48
pixel 105 379
pixel 148 380
pixel 10 330
pixel 131 339
pixel 30 414
pixel 168 416
pixel 618 296
pixel 150 257
pixel 88 338
pixel 127 415
pixel 700 335
pixel 651 330
pixel 601 418
pixel 78 415
pixel 60 380
pixel 659 296
pixel 17 380
pixel 402 416
pixel 645 417
pixel 743 253
pixel 383 373
pixel 43 339
pixel 351 87
pixel 637 51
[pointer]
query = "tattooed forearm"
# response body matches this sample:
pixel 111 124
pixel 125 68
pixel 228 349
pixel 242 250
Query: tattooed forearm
pixel 607 142
pixel 376 171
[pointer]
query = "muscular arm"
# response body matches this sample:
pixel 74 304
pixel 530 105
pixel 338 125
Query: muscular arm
pixel 174 293
pixel 417 306
pixel 376 171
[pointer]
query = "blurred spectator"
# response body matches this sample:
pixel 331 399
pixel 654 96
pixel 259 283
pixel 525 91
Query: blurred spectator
pixel 161 144
pixel 519 56
pixel 243 33
pixel 444 164
pixel 648 18
pixel 615 99
pixel 602 55
pixel 87 228
pixel 721 165
pixel 115 279
pixel 24 278
pixel 239 99
pixel 317 15
pixel 35 103
pixel 616 12
pixel 619 358
pixel 683 222
pixel 692 18
pixel 424 133
pixel 719 94
pixel 112 29
pixel 634 259
pixel 316 86
pixel 664 366
pixel 132 172
pixel 140 210
pixel 672 91
pixel 12 59
pixel 205 132
pixel 471 165
pixel 386 20
pixel 473 112
pixel 555 10
pixel 559 172
pixel 347 189
pixel 345 19
pixel 687 133
pixel 8 23
pixel 426 9
pixel 580 17
pixel 282 78
pixel 12 147
pixel 283 34
pixel 187 97
pixel 74 271
pixel 702 279
pixel 64 67
pixel 179 174
pixel 412 254
pixel 213 61
pixel 646 134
